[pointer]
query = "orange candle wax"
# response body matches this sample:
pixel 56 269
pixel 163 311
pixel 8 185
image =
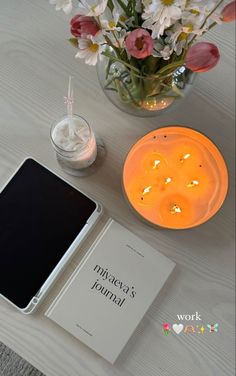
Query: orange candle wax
pixel 175 177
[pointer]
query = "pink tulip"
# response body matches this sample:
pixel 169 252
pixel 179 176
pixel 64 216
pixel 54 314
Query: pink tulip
pixel 139 43
pixel 229 12
pixel 166 326
pixel 83 25
pixel 202 57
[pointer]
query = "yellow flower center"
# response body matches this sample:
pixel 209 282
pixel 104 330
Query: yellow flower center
pixel 93 47
pixel 111 24
pixel 189 27
pixel 123 18
pixel 167 3
pixel 182 36
pixel 195 11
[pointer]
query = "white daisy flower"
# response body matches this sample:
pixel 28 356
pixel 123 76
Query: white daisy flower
pixel 206 5
pixel 193 25
pixel 123 19
pixel 190 24
pixel 183 31
pixel 90 48
pixel 93 8
pixel 118 38
pixel 138 6
pixel 161 14
pixel 203 8
pixel 109 22
pixel 162 50
pixel 177 38
pixel 110 19
pixel 65 5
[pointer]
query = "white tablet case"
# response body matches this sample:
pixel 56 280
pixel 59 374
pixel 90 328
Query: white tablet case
pixel 37 299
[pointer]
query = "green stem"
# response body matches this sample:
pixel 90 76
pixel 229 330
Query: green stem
pixel 209 15
pixel 122 5
pixel 212 25
pixel 110 5
pixel 110 56
pixel 204 23
pixel 117 41
pixel 130 95
pixel 134 11
pixel 108 68
pixel 176 64
pixel 109 42
pixel 116 49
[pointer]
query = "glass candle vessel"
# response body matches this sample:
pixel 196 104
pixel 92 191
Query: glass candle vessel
pixel 175 177
pixel 74 143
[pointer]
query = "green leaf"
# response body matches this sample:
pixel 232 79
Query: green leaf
pixel 124 7
pixel 171 66
pixel 151 63
pixel 177 91
pixel 74 42
pixel 114 58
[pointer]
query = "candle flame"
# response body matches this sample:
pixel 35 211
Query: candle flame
pixel 156 163
pixel 185 156
pixel 147 190
pixel 168 180
pixel 193 183
pixel 175 209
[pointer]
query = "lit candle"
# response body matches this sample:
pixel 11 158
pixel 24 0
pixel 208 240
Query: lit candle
pixel 175 177
pixel 157 104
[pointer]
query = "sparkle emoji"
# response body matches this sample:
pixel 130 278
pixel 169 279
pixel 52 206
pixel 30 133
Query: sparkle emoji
pixel 202 329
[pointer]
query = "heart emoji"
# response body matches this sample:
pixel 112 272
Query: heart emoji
pixel 178 328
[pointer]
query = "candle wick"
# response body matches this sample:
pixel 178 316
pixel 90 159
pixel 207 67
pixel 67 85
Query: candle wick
pixel 185 156
pixel 175 209
pixel 156 163
pixel 168 180
pixel 193 183
pixel 147 189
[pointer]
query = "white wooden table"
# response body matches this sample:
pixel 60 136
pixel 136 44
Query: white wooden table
pixel 35 61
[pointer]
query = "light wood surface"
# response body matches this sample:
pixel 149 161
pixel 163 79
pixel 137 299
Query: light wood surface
pixel 35 61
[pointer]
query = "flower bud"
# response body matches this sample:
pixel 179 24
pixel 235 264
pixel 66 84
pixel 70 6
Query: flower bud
pixel 228 13
pixel 202 57
pixel 83 25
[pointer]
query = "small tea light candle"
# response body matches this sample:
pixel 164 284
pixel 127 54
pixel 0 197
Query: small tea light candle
pixel 175 177
pixel 157 104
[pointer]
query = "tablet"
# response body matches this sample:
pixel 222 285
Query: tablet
pixel 43 219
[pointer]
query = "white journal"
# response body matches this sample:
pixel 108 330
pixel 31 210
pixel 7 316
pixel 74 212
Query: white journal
pixel 110 291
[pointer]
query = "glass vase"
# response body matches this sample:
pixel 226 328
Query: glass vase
pixel 143 96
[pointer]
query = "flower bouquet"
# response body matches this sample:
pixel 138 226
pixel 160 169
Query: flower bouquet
pixel 146 50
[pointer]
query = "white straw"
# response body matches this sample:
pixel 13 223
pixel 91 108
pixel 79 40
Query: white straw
pixel 69 103
pixel 70 98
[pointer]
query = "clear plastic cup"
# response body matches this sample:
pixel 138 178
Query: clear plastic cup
pixel 74 143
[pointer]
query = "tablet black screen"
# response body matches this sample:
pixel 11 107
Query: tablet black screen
pixel 40 216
